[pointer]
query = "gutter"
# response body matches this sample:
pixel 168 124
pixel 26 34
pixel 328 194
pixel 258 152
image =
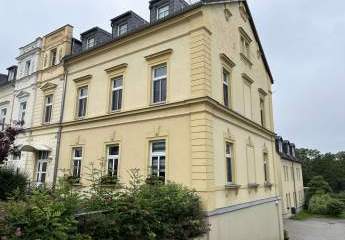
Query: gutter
pixel 58 136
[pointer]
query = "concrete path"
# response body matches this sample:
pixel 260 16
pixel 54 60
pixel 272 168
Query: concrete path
pixel 316 229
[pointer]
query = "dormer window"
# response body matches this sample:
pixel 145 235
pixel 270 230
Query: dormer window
pixel 122 29
pixel 280 145
pixel 162 12
pixel 11 76
pixel 293 151
pixel 90 42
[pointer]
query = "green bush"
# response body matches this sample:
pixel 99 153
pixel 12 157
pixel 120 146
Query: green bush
pixel 317 185
pixel 335 208
pixel 11 181
pixel 318 204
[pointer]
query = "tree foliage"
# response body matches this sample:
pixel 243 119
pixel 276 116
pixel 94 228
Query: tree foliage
pixel 7 138
pixel 11 181
pixel 330 166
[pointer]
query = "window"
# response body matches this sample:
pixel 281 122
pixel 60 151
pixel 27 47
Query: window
pixel 122 29
pixel 116 93
pixel 42 163
pixel 27 67
pixel 280 147
pixel 3 113
pixel 113 160
pixel 82 101
pixel 90 42
pixel 159 83
pixel 245 46
pixel 22 111
pixel 226 87
pixel 16 155
pixel 76 161
pixel 48 106
pixel 266 168
pixel 262 111
pixel 162 12
pixel 158 158
pixel 228 158
pixel 293 151
pixel 53 54
pixel 10 75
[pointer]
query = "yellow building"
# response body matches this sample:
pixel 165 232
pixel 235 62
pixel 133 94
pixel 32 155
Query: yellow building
pixel 186 97
pixel 292 188
pixel 40 150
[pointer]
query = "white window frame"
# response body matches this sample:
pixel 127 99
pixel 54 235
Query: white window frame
pixel 113 91
pixel 22 111
pixel 163 11
pixel 245 46
pixel 280 146
pixel 84 98
pixel 39 167
pixel 10 75
pixel 266 168
pixel 159 156
pixel 113 158
pixel 161 79
pixel 27 67
pixel 226 83
pixel 78 160
pixel 3 117
pixel 53 57
pixel 90 42
pixel 262 111
pixel 48 105
pixel 122 29
pixel 229 155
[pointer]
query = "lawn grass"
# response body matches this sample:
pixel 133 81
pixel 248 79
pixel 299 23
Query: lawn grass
pixel 305 215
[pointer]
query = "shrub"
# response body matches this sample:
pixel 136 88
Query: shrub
pixel 318 204
pixel 335 208
pixel 317 185
pixel 11 181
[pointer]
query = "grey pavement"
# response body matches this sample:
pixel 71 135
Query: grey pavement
pixel 316 229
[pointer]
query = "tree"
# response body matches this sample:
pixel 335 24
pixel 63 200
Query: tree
pixel 7 138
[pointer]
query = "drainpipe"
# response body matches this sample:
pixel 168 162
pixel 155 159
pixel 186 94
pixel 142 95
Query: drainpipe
pixel 294 185
pixel 58 134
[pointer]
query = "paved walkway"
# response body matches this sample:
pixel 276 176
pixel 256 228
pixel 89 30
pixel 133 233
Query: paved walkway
pixel 316 229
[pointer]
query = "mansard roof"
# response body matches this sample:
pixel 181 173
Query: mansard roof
pixel 3 79
pixel 181 12
pixel 95 29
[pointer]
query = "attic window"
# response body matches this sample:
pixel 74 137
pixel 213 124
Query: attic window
pixel 90 42
pixel 122 29
pixel 162 12
pixel 10 75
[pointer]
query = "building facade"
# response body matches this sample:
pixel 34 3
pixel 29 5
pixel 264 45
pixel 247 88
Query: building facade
pixel 292 187
pixel 186 97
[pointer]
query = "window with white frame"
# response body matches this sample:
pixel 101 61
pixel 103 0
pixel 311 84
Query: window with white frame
pixel 280 145
pixel 16 155
pixel 116 93
pixel 53 56
pixel 158 156
pixel 229 163
pixel 11 75
pixel 27 67
pixel 42 164
pixel 22 111
pixel 159 84
pixel 113 160
pixel 122 29
pixel 90 42
pixel 48 107
pixel 82 101
pixel 245 46
pixel 3 113
pixel 77 157
pixel 226 88
pixel 162 12
pixel 266 168
pixel 262 111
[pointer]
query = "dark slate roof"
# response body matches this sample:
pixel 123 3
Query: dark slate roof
pixel 95 29
pixel 178 13
pixel 284 155
pixel 128 13
pixel 3 79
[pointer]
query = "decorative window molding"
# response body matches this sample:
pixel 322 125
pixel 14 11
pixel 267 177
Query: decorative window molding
pixel 227 14
pixel 227 60
pixel 160 56
pixel 48 87
pixel 4 104
pixel 248 79
pixel 245 34
pixel 84 80
pixel 116 70
pixel 23 94
pixel 262 92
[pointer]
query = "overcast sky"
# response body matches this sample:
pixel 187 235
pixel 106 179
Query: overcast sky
pixel 304 42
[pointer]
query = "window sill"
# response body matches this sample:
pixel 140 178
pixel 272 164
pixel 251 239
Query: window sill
pixel 253 185
pixel 158 103
pixel 232 186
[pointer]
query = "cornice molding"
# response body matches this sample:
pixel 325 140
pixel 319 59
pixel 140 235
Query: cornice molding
pixel 82 79
pixel 246 77
pixel 164 53
pixel 118 68
pixel 227 60
pixel 48 87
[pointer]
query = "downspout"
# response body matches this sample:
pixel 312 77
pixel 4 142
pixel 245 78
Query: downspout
pixel 58 137
pixel 294 184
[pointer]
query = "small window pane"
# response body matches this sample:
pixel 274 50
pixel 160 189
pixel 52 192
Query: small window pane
pixel 114 150
pixel 160 71
pixel 158 146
